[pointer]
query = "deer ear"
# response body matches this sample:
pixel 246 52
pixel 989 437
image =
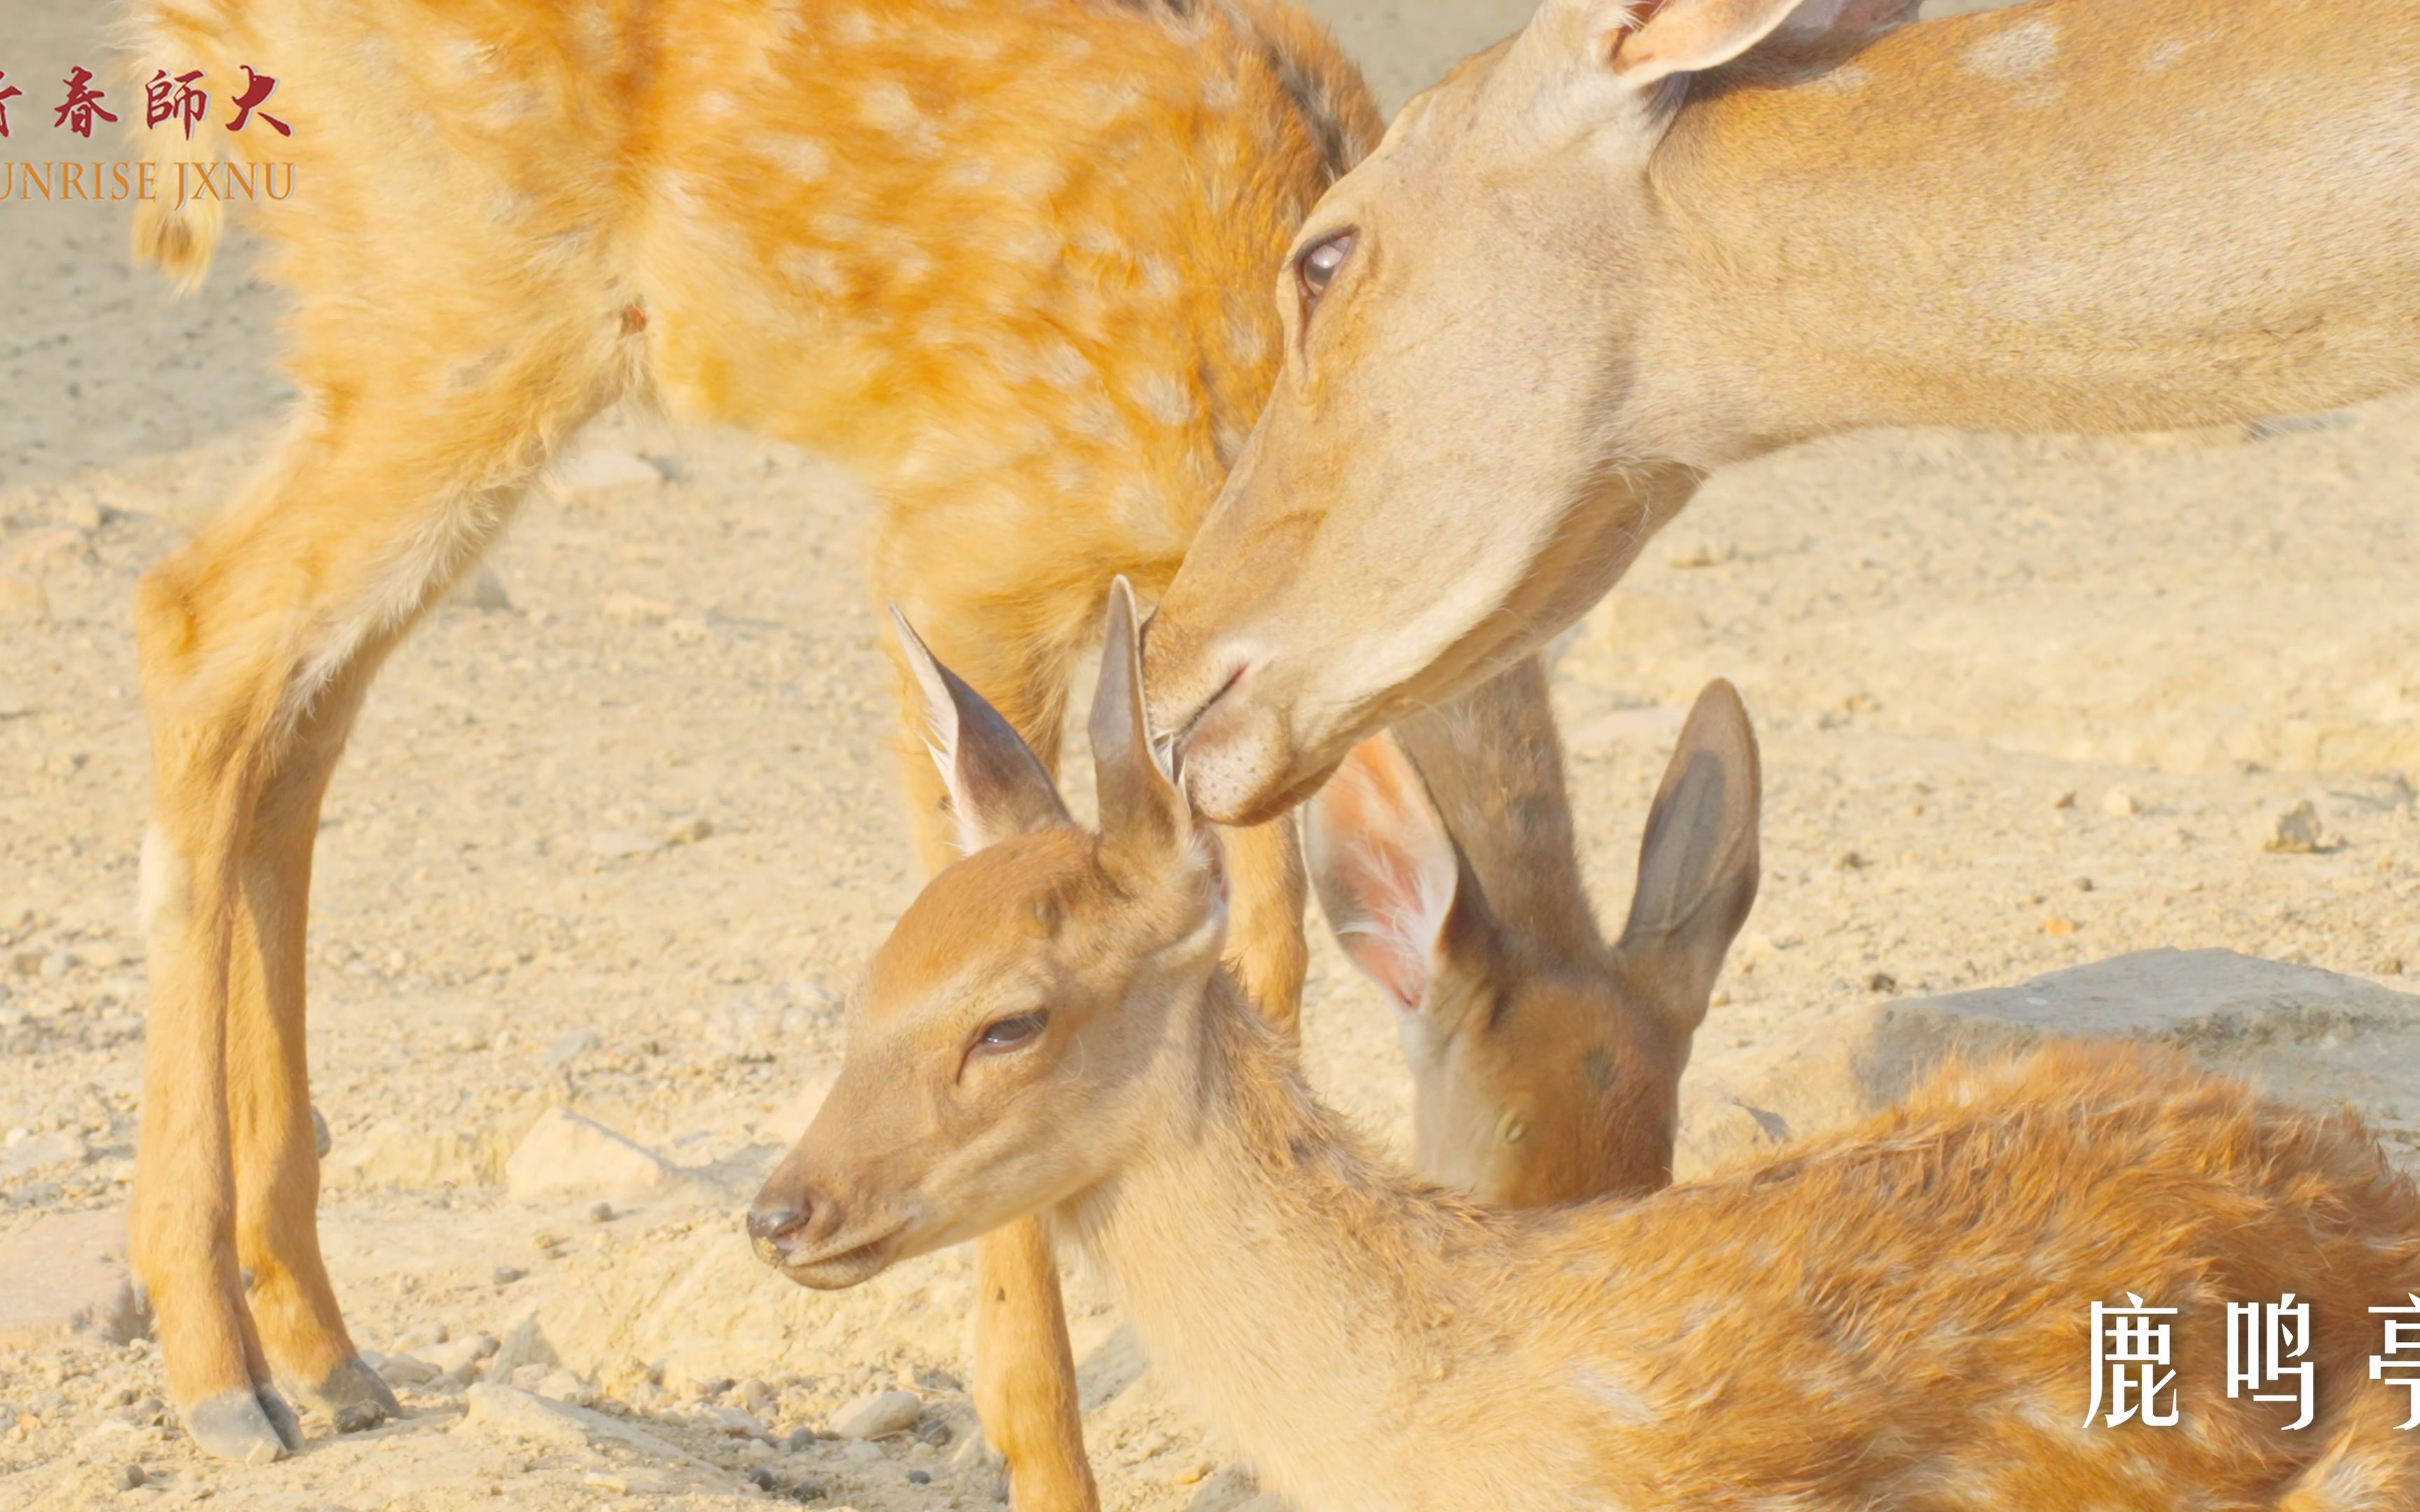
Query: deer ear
pixel 1648 44
pixel 1697 866
pixel 1144 818
pixel 1389 877
pixel 1643 42
pixel 996 785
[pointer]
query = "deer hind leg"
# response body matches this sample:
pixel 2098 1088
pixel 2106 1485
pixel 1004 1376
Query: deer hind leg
pixel 257 641
pixel 1025 1370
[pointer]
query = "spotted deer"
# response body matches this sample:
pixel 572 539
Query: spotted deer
pixel 1007 260
pixel 1644 240
pixel 1891 1319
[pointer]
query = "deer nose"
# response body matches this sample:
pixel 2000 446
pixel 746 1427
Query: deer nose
pixel 777 1227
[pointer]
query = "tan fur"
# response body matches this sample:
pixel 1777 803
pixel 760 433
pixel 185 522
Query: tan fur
pixel 1546 1063
pixel 1893 1318
pixel 1007 260
pixel 1580 280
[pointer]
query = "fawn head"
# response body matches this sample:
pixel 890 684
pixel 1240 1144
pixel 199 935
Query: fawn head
pixel 1546 1070
pixel 1024 1018
pixel 1465 449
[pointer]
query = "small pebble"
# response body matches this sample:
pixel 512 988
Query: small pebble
pixel 2296 832
pixel 129 1476
pixel 920 1477
pixel 600 1213
pixel 2119 804
pixel 507 1274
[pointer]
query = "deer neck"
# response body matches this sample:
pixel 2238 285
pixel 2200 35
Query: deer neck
pixel 2043 217
pixel 1304 1296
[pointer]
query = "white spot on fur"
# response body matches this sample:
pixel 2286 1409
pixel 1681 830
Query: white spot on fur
pixel 889 107
pixel 1064 366
pixel 968 171
pixel 801 156
pixel 1163 397
pixel 2016 51
pixel 1847 79
pixel 813 268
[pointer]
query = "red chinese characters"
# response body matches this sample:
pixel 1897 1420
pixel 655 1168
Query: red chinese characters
pixel 83 104
pixel 256 89
pixel 175 100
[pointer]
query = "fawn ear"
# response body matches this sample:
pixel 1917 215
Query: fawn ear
pixel 1698 865
pixel 996 785
pixel 1391 879
pixel 1144 819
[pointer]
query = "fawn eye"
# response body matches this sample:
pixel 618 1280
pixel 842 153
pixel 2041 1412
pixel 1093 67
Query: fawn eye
pixel 1317 266
pixel 1003 1034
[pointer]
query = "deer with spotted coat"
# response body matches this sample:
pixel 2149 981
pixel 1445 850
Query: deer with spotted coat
pixel 1891 1319
pixel 1005 260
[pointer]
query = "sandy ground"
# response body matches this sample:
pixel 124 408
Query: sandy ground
pixel 2025 702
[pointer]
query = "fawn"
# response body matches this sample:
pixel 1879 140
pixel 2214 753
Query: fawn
pixel 1546 1065
pixel 1007 260
pixel 1885 1320
pixel 1648 239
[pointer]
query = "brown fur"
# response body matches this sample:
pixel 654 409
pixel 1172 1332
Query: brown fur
pixel 1006 259
pixel 1636 243
pixel 1892 1319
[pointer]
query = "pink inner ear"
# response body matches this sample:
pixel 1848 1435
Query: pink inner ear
pixel 1387 868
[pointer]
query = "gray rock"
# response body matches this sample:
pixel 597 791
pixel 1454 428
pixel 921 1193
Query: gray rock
pixel 60 1147
pixel 68 1274
pixel 406 1370
pixel 571 1045
pixel 460 1358
pixel 878 1414
pixel 511 1413
pixel 564 1154
pixel 524 1348
pixel 2296 832
pixel 480 591
pixel 2295 1032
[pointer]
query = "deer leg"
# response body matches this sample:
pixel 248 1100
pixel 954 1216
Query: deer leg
pixel 1265 938
pixel 257 641
pixel 1025 1372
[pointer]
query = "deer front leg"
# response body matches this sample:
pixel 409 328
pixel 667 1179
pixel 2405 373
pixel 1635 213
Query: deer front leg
pixel 1265 939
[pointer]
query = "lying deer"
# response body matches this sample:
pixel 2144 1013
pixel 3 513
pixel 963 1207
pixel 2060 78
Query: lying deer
pixel 1646 238
pixel 1890 1319
pixel 1005 260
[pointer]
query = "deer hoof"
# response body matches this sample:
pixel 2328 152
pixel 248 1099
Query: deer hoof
pixel 353 1396
pixel 252 1425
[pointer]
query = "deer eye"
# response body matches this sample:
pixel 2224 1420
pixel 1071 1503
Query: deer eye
pixel 1318 264
pixel 1003 1034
